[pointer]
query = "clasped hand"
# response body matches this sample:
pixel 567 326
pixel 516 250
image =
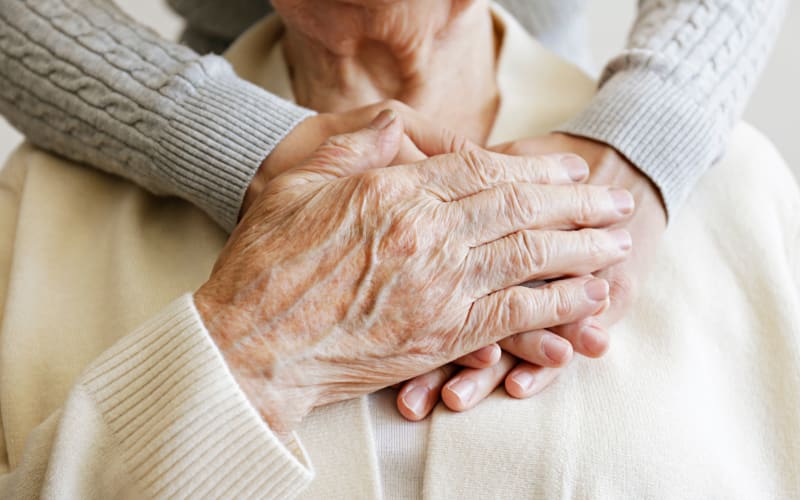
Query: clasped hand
pixel 346 276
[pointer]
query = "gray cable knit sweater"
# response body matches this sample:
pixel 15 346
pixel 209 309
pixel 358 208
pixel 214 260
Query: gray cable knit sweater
pixel 80 78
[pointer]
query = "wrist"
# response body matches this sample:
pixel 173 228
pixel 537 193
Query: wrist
pixel 255 188
pixel 262 379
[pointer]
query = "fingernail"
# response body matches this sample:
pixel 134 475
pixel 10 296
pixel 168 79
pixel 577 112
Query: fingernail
pixel 623 239
pixel 383 120
pixel 594 340
pixel 524 380
pixel 623 200
pixel 596 289
pixel 577 169
pixel 463 389
pixel 555 348
pixel 415 400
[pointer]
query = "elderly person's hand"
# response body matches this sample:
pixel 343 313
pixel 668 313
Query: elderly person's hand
pixel 532 360
pixel 646 226
pixel 422 139
pixel 341 280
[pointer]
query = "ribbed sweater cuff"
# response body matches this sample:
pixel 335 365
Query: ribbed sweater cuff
pixel 652 123
pixel 184 426
pixel 218 137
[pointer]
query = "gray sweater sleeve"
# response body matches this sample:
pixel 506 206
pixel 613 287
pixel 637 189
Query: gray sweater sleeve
pixel 82 79
pixel 669 100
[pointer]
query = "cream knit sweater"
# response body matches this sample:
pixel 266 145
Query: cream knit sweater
pixel 110 386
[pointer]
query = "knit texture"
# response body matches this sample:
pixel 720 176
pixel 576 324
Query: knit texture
pixel 173 407
pixel 80 78
pixel 670 100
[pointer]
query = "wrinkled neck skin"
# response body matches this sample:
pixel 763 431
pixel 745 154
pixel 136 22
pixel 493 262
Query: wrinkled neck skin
pixel 436 56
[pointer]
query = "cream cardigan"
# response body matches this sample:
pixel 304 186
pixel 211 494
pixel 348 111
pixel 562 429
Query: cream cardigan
pixel 699 396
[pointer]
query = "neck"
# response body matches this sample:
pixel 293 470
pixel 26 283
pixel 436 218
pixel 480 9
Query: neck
pixel 437 57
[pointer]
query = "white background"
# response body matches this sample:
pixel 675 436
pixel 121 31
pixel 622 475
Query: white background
pixel 774 108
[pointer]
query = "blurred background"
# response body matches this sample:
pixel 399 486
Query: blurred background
pixel 774 107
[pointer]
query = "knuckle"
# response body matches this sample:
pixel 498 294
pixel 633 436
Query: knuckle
pixel 378 193
pixel 510 202
pixel 537 251
pixel 543 168
pixel 562 305
pixel 596 245
pixel 522 205
pixel 515 310
pixel 483 165
pixel 585 205
pixel 373 182
pixel 405 235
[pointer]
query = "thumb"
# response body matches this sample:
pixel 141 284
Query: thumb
pixel 342 155
pixel 434 140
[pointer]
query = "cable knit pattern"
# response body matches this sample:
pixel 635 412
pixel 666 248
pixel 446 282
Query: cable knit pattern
pixel 80 78
pixel 670 100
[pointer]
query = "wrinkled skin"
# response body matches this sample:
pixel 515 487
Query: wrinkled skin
pixel 405 50
pixel 422 139
pixel 409 268
pixel 524 366
pixel 646 226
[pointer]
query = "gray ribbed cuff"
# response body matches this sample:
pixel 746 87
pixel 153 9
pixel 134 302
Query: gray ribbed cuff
pixel 653 124
pixel 218 138
pixel 185 428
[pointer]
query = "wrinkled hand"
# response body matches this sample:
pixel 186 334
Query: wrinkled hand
pixel 529 362
pixel 422 139
pixel 345 277
pixel 646 226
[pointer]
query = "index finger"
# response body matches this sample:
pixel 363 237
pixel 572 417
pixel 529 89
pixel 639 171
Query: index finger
pixel 454 176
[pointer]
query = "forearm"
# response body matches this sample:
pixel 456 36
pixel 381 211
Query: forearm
pixel 669 100
pixel 80 78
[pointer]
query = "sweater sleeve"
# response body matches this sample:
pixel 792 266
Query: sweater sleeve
pixel 80 78
pixel 669 100
pixel 157 416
